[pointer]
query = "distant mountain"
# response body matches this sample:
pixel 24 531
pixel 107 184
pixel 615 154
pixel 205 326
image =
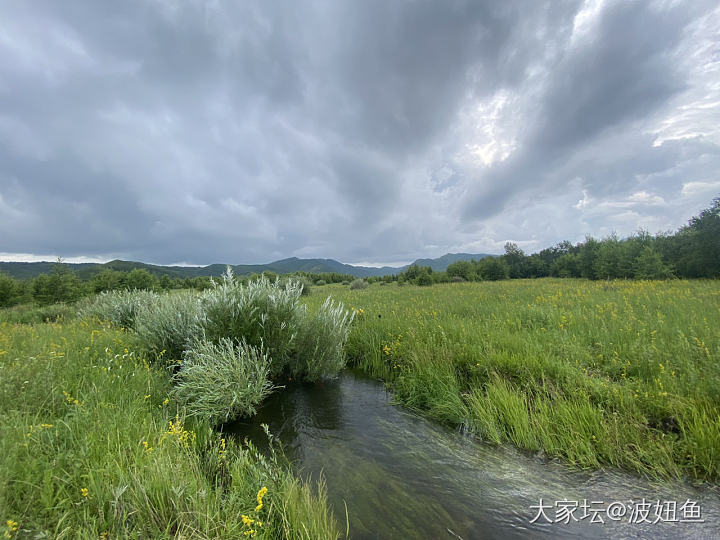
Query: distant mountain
pixel 441 263
pixel 26 270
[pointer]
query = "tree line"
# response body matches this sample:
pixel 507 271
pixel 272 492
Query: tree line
pixel 64 285
pixel 693 251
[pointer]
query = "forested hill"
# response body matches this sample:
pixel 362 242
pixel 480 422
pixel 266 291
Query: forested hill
pixel 28 270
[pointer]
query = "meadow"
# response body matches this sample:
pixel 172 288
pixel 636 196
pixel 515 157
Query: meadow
pixel 94 443
pixel 109 419
pixel 596 373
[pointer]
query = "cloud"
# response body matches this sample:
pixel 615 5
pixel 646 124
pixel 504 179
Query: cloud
pixel 220 131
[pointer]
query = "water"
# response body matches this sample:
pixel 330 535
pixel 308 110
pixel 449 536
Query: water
pixel 405 477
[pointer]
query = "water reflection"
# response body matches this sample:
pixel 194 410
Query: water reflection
pixel 405 477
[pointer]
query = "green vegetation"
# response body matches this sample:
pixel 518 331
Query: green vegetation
pixel 357 284
pixel 692 252
pixel 264 319
pixel 94 445
pixel 98 439
pixel 219 382
pixel 598 373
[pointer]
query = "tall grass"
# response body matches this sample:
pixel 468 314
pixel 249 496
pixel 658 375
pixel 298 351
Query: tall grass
pixel 616 373
pixel 93 445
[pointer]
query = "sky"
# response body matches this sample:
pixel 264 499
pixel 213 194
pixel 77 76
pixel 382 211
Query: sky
pixel 371 132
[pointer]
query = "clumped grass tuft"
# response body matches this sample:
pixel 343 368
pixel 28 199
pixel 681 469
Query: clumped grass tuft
pixel 320 342
pixel 222 381
pixel 117 307
pixel 169 324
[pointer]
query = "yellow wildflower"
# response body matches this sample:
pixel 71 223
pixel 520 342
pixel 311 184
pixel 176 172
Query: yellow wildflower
pixel 260 495
pixel 84 492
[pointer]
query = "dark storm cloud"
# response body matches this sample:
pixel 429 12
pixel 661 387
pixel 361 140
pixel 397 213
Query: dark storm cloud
pixel 210 131
pixel 620 73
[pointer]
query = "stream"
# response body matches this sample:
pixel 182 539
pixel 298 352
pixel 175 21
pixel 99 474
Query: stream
pixel 405 477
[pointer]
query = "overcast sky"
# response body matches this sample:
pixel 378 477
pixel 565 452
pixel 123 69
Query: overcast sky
pixel 369 131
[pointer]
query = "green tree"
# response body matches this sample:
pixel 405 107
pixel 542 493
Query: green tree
pixel 704 241
pixel 61 285
pixel 566 266
pixel 424 278
pixel 139 278
pixel 587 255
pixel 107 280
pixel 463 269
pixel 493 268
pixel 649 265
pixel 515 259
pixel 607 260
pixel 8 291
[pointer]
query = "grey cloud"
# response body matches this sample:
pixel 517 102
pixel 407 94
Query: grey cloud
pixel 243 132
pixel 623 71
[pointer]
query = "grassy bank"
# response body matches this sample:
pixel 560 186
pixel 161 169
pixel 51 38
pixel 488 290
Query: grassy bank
pixel 92 445
pixel 622 374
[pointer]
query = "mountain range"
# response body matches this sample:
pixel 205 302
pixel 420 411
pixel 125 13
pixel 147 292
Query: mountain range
pixel 26 270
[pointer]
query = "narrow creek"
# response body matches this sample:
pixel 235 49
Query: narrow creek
pixel 404 477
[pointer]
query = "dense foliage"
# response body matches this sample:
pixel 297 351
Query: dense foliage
pixel 231 340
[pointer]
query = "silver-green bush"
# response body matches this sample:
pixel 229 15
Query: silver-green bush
pixel 263 314
pixel 168 325
pixel 359 284
pixel 117 307
pixel 222 381
pixel 320 342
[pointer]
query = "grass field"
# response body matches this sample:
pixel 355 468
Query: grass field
pixel 93 446
pixel 622 373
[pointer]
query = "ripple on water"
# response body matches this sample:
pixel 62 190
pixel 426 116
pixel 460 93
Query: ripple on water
pixel 405 477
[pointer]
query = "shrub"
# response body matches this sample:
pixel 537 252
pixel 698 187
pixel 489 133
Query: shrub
pixel 320 282
pixel 61 285
pixel 304 283
pixel 117 307
pixel 8 290
pixel 320 342
pixel 264 314
pixel 222 381
pixel 358 284
pixel 167 325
